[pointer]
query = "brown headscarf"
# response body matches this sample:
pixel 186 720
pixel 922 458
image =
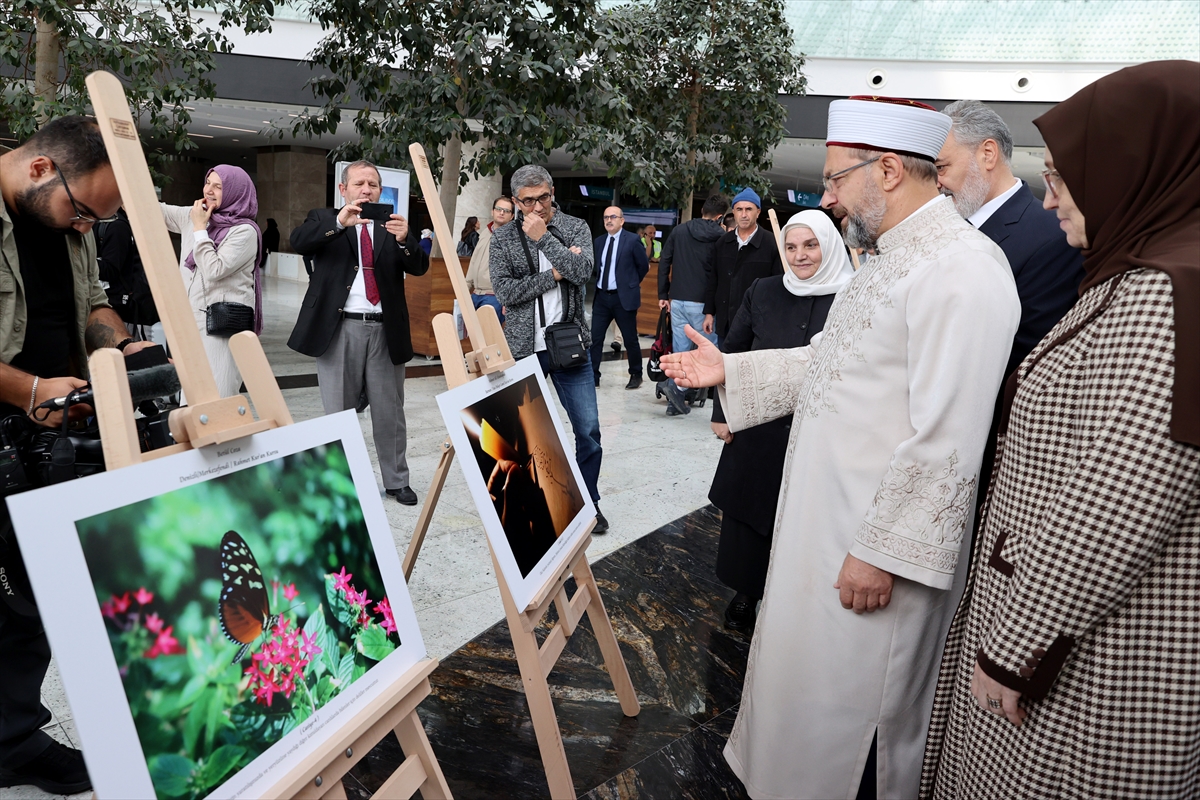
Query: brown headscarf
pixel 1128 148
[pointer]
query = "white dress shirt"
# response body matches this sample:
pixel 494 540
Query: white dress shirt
pixel 551 302
pixel 613 241
pixel 991 206
pixel 357 302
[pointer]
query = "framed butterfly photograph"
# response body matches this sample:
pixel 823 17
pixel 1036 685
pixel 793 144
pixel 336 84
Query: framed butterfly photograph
pixel 214 612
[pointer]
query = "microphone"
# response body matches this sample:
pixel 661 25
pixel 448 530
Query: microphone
pixel 144 384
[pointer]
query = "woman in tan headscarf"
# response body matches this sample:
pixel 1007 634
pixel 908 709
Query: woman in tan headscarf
pixel 1072 668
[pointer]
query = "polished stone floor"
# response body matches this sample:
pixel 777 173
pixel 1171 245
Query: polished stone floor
pixel 666 608
pixel 656 469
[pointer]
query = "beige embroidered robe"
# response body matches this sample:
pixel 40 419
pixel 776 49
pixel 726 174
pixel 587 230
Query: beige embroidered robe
pixel 892 404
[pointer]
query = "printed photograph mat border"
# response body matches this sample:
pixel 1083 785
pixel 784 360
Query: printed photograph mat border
pixel 452 403
pixel 45 525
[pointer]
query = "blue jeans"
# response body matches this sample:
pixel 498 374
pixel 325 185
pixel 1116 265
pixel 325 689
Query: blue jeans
pixel 687 312
pixel 478 300
pixel 576 389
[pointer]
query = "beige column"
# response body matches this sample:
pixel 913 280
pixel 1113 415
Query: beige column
pixel 291 181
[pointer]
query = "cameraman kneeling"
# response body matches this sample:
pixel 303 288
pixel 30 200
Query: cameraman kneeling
pixel 53 313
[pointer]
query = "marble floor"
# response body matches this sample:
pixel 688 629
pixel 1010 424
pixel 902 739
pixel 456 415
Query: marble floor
pixel 656 469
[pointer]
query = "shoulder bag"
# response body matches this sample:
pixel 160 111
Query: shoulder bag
pixel 225 319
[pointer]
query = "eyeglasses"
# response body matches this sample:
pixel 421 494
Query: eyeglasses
pixel 530 202
pixel 1053 181
pixel 80 215
pixel 830 181
pixel 502 209
pixel 611 217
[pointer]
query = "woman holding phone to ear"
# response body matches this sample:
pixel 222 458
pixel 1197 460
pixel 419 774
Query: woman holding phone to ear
pixel 219 252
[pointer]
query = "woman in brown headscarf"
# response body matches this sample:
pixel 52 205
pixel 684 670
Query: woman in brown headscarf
pixel 1072 668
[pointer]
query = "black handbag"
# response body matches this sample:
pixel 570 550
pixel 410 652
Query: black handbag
pixel 661 347
pixel 564 340
pixel 225 319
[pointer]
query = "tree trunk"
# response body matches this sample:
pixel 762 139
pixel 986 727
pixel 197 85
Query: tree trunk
pixel 685 211
pixel 448 189
pixel 45 70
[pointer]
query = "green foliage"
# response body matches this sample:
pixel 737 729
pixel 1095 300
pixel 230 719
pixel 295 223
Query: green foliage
pixel 524 72
pixel 702 80
pixel 162 51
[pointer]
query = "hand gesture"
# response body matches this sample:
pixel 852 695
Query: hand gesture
pixel 708 323
pixel 200 215
pixel 695 369
pixel 664 303
pixel 534 227
pixel 989 694
pixel 863 587
pixel 348 216
pixel 722 431
pixel 397 226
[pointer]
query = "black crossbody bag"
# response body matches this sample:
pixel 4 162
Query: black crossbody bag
pixel 564 340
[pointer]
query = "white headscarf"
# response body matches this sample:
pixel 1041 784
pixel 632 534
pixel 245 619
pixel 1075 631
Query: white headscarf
pixel 835 270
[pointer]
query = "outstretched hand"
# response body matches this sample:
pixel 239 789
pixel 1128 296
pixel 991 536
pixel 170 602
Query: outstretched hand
pixel 696 369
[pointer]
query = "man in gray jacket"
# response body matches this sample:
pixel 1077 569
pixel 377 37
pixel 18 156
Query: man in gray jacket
pixel 689 250
pixel 539 268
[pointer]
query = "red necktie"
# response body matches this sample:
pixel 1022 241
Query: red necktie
pixel 368 265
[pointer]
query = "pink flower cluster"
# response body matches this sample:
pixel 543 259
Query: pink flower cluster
pixel 341 582
pixel 118 609
pixel 279 667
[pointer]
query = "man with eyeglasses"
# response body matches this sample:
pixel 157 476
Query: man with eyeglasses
pixel 621 264
pixel 53 313
pixel 539 268
pixel 479 278
pixel 891 405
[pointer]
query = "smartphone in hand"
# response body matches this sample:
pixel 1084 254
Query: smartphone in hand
pixel 380 212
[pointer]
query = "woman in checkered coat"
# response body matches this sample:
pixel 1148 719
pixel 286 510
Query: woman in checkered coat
pixel 1072 668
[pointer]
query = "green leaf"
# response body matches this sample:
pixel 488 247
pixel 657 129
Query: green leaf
pixel 373 643
pixel 345 670
pixel 214 768
pixel 340 608
pixel 171 774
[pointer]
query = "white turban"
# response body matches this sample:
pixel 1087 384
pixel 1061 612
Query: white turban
pixel 905 127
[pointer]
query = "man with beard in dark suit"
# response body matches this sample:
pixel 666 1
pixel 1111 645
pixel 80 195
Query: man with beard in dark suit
pixel 354 318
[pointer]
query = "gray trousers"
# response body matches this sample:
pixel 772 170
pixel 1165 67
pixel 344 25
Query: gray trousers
pixel 358 353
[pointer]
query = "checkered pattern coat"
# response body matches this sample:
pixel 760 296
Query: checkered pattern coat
pixel 1085 587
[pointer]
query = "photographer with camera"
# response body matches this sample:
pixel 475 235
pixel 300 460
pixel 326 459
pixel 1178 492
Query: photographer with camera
pixel 53 313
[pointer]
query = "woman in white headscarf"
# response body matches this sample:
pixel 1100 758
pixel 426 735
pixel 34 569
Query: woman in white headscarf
pixel 781 311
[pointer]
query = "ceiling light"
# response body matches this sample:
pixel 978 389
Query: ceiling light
pixel 200 135
pixel 227 128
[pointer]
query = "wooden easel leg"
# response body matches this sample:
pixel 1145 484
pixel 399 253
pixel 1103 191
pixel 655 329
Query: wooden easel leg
pixel 537 695
pixel 336 791
pixel 414 742
pixel 609 647
pixel 426 515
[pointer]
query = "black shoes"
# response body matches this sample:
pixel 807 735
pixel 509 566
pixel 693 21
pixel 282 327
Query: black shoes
pixel 635 382
pixel 601 523
pixel 57 769
pixel 740 614
pixel 404 496
pixel 616 347
pixel 597 380
pixel 674 412
pixel 675 398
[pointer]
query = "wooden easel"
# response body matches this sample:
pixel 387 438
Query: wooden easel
pixel 211 419
pixel 489 353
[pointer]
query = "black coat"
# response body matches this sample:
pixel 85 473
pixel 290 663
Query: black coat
pixel 335 262
pixel 734 270
pixel 1047 269
pixel 750 471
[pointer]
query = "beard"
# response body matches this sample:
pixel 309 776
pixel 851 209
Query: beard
pixel 33 204
pixel 862 224
pixel 973 193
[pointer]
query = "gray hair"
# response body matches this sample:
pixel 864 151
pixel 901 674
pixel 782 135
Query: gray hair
pixel 974 123
pixel 357 165
pixel 528 176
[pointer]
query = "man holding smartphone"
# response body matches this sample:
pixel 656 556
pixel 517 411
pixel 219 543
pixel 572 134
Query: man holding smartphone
pixel 354 318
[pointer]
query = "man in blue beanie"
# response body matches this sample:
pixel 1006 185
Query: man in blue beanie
pixel 745 254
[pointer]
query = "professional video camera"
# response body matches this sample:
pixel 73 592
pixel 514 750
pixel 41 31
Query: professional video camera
pixel 32 455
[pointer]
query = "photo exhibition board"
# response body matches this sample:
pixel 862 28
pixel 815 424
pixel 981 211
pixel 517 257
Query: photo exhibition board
pixel 395 187
pixel 521 470
pixel 215 614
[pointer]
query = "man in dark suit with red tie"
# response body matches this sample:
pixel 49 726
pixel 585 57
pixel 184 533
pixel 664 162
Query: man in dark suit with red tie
pixel 354 318
pixel 621 264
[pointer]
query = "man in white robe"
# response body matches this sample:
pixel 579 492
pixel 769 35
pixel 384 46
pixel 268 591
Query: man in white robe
pixel 892 403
